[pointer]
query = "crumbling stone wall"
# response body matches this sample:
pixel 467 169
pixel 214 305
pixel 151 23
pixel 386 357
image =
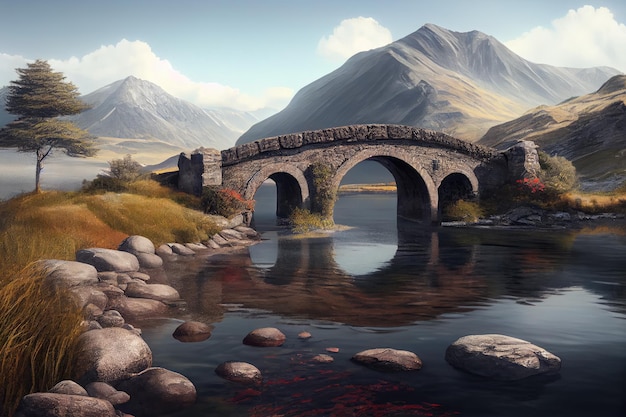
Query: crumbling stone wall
pixel 203 167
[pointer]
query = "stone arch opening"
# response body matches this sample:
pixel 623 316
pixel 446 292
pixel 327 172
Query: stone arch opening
pixel 292 190
pixel 454 187
pixel 416 195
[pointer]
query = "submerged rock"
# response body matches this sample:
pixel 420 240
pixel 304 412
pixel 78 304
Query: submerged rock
pixel 157 391
pixel 265 337
pixel 241 372
pixel 192 331
pixel 387 359
pixel 501 357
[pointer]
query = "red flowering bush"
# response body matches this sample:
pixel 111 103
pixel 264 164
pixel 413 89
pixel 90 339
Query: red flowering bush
pixel 224 202
pixel 530 185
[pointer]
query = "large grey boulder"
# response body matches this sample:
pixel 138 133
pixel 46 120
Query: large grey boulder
pixel 66 274
pixel 143 249
pixel 46 404
pixel 387 359
pixel 157 391
pixel 159 292
pixel 137 244
pixel 501 357
pixel 108 259
pixel 110 355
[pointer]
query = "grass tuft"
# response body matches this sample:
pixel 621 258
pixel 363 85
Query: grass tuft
pixel 39 332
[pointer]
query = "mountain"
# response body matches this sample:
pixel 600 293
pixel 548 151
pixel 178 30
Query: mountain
pixel 589 130
pixel 459 83
pixel 137 109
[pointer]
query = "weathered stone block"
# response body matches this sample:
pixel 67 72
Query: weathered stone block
pixel 399 132
pixel 247 150
pixel 269 144
pixel 377 132
pixel 291 141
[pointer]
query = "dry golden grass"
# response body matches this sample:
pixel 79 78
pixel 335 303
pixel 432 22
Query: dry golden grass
pixel 38 330
pixel 38 337
pixel 596 203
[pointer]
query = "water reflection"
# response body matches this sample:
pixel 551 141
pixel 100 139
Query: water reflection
pixel 428 273
pixel 409 288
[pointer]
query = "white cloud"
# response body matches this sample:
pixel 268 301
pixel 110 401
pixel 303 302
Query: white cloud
pixel 8 64
pixel 110 63
pixel 585 37
pixel 352 36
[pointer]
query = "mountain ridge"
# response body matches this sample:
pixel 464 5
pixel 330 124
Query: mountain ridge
pixel 138 109
pixel 588 130
pixel 459 83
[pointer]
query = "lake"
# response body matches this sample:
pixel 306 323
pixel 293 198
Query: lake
pixel 383 284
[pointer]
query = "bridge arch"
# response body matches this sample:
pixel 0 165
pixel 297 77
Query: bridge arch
pixel 292 189
pixel 416 191
pixel 456 185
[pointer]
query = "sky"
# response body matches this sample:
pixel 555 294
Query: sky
pixel 253 54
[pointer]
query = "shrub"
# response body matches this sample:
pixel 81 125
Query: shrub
pixel 461 210
pixel 125 169
pixel 302 221
pixel 122 172
pixel 224 202
pixel 557 174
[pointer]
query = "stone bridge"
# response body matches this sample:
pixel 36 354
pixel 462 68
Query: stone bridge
pixel 430 168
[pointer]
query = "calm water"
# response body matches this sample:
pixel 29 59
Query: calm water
pixel 383 285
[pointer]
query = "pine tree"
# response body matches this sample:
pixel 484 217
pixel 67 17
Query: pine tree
pixel 39 98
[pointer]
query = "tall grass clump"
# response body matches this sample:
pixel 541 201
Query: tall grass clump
pixel 303 221
pixel 462 210
pixel 38 336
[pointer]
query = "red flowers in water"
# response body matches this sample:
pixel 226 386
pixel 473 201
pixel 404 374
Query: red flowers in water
pixel 328 393
pixel 534 185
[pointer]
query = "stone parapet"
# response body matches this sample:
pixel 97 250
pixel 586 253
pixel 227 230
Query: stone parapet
pixel 354 133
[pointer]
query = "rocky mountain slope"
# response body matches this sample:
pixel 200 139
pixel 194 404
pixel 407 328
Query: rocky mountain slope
pixel 589 130
pixel 137 109
pixel 459 83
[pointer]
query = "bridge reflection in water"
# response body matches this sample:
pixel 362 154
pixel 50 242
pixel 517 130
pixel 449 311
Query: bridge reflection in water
pixel 431 272
pixel 419 280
